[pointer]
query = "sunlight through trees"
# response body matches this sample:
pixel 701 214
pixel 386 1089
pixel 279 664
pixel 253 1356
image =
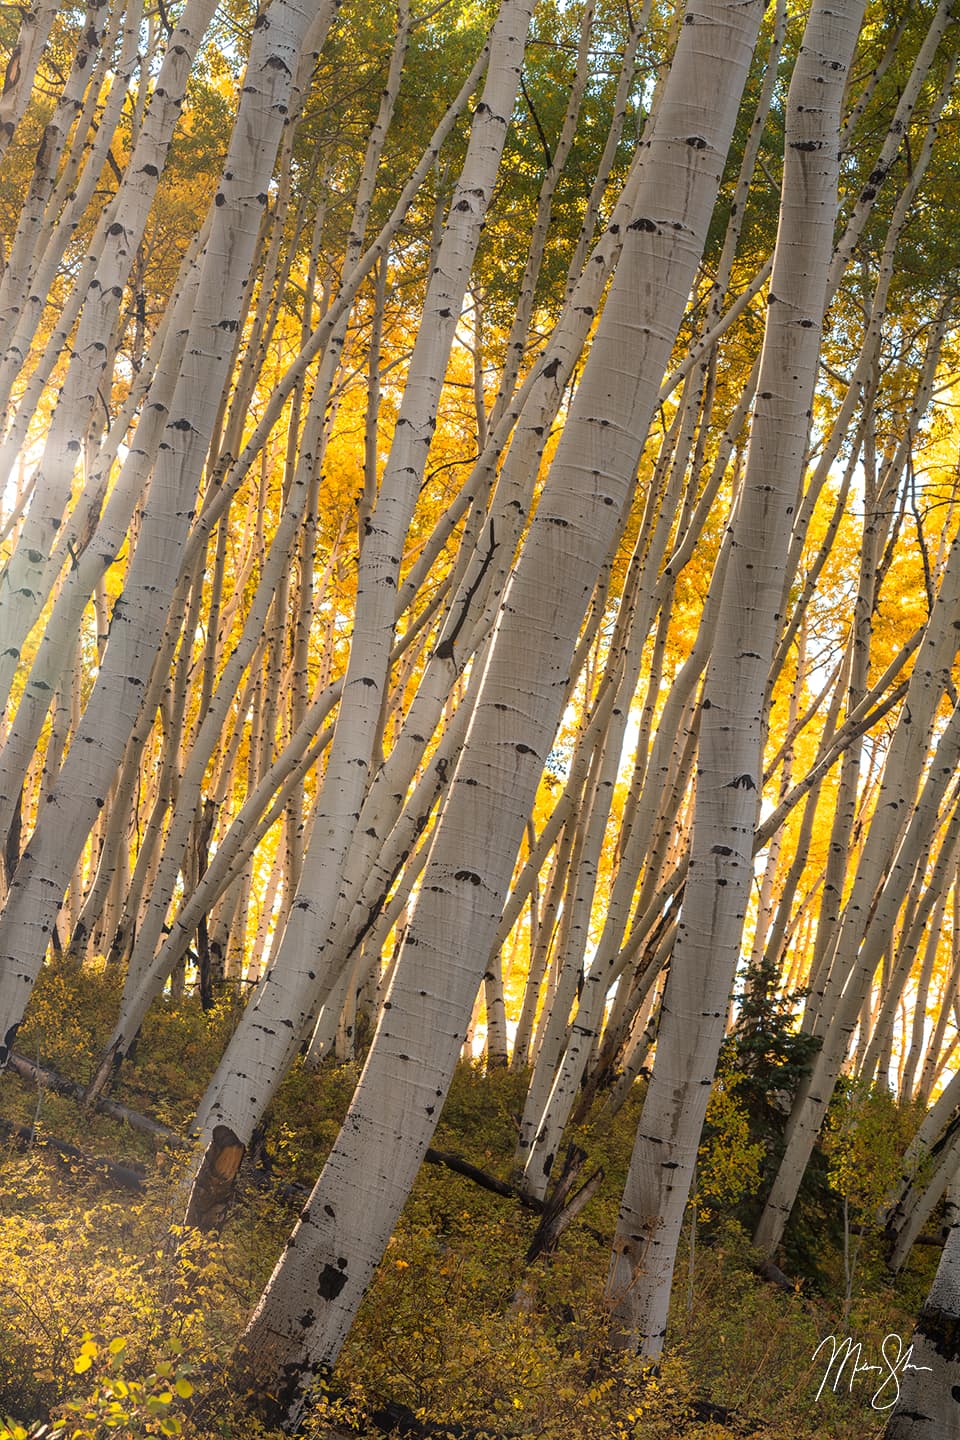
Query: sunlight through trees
pixel 480 545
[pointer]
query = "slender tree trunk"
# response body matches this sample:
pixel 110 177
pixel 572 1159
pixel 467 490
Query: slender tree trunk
pixel 855 952
pixel 928 1407
pixel 734 720
pixel 22 66
pixel 340 1238
pixel 264 1043
pixel 31 569
pixel 138 618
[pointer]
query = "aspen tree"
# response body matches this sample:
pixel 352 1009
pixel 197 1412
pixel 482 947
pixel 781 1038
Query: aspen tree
pixel 918 1203
pixel 483 664
pixel 928 1405
pixel 22 65
pixel 29 571
pixel 919 895
pixel 919 1019
pixel 138 617
pixel 880 492
pixel 99 32
pixel 269 593
pixel 733 724
pixel 26 725
pixel 343 1231
pixel 948 991
pixel 263 1044
pixel 922 1168
pixel 548 1106
pixel 854 951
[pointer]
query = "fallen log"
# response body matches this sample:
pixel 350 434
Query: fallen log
pixel 223 1163
pixel 27 1137
pixel 482 1178
pixel 60 1085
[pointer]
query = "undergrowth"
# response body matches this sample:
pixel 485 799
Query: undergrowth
pixel 112 1324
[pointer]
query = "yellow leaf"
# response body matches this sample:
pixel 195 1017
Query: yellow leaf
pixel 183 1388
pixel 82 1362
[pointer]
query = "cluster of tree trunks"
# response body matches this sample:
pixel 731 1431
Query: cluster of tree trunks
pixel 455 591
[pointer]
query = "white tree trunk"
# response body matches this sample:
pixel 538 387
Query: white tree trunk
pixel 928 1407
pixel 854 957
pixel 29 572
pixel 22 66
pixel 734 720
pixel 262 1045
pixel 139 614
pixel 341 1235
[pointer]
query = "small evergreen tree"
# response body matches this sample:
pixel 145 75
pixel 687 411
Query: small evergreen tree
pixel 769 1056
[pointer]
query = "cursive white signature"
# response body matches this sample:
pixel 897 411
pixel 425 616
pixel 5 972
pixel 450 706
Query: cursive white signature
pixel 895 1360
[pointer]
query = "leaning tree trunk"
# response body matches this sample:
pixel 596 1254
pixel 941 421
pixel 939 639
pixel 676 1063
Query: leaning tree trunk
pixel 928 1407
pixel 37 22
pixel 32 566
pixel 734 708
pixel 264 1043
pixel 854 956
pixel 139 614
pixel 340 1238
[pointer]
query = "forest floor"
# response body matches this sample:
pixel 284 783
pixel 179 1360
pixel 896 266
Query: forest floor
pixel 109 1329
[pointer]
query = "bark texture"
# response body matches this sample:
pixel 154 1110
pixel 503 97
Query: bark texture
pixel 733 725
pixel 928 1407
pixel 303 1317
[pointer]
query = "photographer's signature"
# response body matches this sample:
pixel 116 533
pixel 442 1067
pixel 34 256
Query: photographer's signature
pixel 844 1362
